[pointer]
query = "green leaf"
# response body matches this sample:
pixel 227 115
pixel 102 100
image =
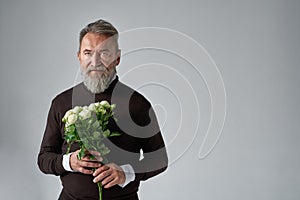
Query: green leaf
pixel 96 134
pixel 96 124
pixel 105 151
pixel 69 147
pixel 70 128
pixel 101 146
pixel 81 153
pixel 92 157
pixel 112 134
pixel 106 133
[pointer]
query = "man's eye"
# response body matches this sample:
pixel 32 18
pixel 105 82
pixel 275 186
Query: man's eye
pixel 105 54
pixel 87 53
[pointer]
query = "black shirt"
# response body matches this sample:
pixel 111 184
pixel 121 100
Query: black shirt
pixel 135 120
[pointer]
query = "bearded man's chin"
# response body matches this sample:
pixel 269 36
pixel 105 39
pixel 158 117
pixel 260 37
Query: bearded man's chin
pixel 97 82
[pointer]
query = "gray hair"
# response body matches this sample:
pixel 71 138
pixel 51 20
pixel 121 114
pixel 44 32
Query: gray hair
pixel 101 27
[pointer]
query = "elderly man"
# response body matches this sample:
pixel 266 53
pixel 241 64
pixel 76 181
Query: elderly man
pixel 99 55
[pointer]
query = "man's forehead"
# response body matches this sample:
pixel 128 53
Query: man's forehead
pixel 95 40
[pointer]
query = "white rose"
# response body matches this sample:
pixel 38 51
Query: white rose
pixel 72 118
pixel 104 103
pixel 67 114
pixel 97 104
pixel 85 113
pixel 77 109
pixel 92 107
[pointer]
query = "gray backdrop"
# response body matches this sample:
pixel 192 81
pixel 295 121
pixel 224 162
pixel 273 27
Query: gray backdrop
pixel 208 59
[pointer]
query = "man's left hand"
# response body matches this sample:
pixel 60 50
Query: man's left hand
pixel 109 175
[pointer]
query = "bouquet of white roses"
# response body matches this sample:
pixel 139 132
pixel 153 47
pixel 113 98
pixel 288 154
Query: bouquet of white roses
pixel 87 126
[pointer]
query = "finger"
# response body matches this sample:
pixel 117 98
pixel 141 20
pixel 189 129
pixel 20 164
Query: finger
pixel 109 181
pixel 101 170
pixel 90 157
pixel 119 177
pixel 116 177
pixel 74 161
pixel 93 157
pixel 84 170
pixel 89 164
pixel 95 153
pixel 102 176
pixel 98 158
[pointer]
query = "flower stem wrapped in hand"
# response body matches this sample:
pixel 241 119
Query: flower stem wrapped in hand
pixel 87 126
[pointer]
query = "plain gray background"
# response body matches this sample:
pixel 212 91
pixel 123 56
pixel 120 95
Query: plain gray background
pixel 256 47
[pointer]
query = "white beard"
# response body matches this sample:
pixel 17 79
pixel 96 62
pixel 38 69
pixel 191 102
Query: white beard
pixel 98 83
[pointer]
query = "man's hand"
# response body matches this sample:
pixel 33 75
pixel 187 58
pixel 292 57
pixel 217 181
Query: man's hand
pixel 86 164
pixel 109 175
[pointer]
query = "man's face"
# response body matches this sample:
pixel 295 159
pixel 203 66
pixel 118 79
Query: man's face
pixel 98 55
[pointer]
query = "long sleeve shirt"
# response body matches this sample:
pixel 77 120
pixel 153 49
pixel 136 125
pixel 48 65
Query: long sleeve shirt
pixel 140 132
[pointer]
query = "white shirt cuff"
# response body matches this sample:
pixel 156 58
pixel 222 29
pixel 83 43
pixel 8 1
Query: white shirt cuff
pixel 129 174
pixel 66 162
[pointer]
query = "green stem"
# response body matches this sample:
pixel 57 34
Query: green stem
pixel 100 190
pixel 99 184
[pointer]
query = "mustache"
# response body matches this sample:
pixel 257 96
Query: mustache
pixel 91 68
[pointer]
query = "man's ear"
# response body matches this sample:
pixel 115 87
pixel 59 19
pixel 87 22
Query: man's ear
pixel 118 57
pixel 78 56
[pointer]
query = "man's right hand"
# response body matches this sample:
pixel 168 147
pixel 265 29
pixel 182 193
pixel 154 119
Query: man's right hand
pixel 86 164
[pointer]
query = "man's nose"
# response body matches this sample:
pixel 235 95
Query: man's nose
pixel 96 59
